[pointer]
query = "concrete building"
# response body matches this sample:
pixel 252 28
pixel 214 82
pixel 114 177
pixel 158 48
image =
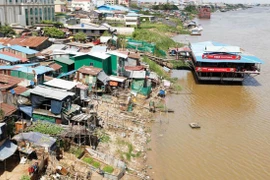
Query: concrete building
pixel 60 6
pixel 124 2
pixel 26 12
pixel 85 5
pixel 91 30
pixel 132 19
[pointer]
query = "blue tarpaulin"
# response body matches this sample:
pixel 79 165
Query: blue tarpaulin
pixel 37 138
pixel 7 149
pixel 27 110
pixel 56 106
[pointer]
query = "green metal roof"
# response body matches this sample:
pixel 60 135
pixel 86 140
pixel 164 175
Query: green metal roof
pixel 64 60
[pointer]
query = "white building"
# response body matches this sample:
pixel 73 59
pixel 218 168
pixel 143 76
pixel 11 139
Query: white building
pixel 100 3
pixel 132 19
pixel 26 12
pixel 85 5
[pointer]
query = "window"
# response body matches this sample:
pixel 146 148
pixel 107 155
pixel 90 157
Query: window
pixel 49 13
pixel 31 11
pixel 91 64
pixel 36 11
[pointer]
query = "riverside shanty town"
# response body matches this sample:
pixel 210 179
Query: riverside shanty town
pixel 80 83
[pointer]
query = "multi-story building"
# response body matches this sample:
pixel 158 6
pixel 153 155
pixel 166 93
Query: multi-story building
pixel 85 5
pixel 124 2
pixel 26 12
pixel 60 6
pixel 111 2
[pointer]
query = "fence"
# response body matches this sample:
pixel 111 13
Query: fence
pixel 108 159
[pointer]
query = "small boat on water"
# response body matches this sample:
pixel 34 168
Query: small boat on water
pixel 195 32
pixel 194 125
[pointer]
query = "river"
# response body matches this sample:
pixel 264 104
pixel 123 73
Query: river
pixel 234 139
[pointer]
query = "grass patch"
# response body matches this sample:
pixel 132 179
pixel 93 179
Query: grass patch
pixel 127 155
pixel 156 68
pixel 96 164
pixel 108 169
pixel 91 161
pixel 178 64
pixel 88 160
pixel 25 177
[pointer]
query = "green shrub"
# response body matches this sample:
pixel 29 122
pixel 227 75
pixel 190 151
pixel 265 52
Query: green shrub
pixel 88 160
pixel 45 128
pixel 77 151
pixel 96 164
pixel 108 169
pixel 25 177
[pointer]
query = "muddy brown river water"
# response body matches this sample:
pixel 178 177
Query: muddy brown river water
pixel 234 140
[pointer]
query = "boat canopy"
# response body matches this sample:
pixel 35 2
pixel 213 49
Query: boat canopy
pixel 228 49
pixel 202 48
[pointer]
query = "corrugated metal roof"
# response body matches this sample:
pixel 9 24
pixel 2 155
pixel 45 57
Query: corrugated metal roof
pixel 8 109
pixel 99 49
pixel 198 49
pixel 117 78
pixel 81 117
pixel 50 49
pixel 134 68
pixel 137 74
pixel 31 41
pixel 14 55
pixel 64 60
pixel 6 67
pixel 55 66
pixel 99 55
pixel 61 84
pixel 23 49
pixel 118 54
pixel 89 70
pixel 88 26
pixel 66 74
pixel 7 81
pixel 7 149
pixel 20 89
pixel 37 70
pixel 132 14
pixel 9 58
pixel 51 93
pixel 1 46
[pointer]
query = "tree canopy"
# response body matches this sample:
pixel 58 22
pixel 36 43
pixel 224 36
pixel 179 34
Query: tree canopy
pixel 6 30
pixel 165 7
pixel 191 9
pixel 80 36
pixel 53 32
pixel 54 23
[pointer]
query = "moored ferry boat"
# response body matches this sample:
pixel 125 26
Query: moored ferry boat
pixel 204 12
pixel 214 61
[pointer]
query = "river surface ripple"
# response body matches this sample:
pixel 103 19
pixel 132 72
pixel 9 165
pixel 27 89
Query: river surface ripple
pixel 234 140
